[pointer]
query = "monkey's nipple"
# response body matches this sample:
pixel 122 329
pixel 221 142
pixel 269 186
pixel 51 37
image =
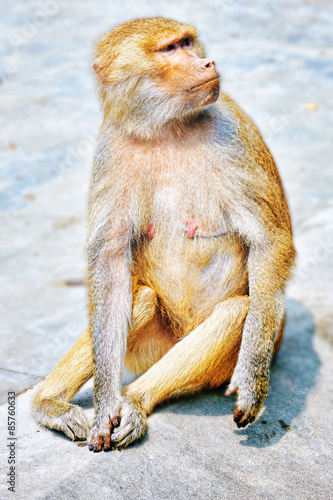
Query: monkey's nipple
pixel 192 226
pixel 151 231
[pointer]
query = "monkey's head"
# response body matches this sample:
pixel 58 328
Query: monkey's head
pixel 153 75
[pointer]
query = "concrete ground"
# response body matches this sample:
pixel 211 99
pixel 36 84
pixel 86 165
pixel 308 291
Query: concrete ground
pixel 276 61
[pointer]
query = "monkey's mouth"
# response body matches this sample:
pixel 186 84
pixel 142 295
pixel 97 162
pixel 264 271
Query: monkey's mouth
pixel 211 80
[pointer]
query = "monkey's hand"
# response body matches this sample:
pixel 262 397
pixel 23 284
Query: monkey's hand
pixel 117 429
pixel 251 384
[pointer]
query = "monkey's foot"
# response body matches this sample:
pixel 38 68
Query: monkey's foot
pixel 62 416
pixel 117 431
pixel 251 397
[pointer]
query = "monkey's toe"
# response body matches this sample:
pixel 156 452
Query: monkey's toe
pixel 96 443
pixel 62 416
pixel 132 425
pixel 246 414
pixel 238 416
pixel 241 420
pixel 75 424
pixel 251 394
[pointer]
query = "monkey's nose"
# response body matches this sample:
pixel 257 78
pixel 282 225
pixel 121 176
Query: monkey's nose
pixel 208 63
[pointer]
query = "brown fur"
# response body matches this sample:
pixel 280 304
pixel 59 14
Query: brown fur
pixel 189 246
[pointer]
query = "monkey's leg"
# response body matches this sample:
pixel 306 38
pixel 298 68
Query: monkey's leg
pixel 205 357
pixel 51 405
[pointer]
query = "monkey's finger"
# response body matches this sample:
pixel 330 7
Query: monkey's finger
pixel 101 439
pixel 242 419
pixel 96 443
pixel 122 433
pixel 132 436
pixel 243 423
pixel 128 431
pixel 107 443
pixel 124 440
pixel 115 421
pixel 238 415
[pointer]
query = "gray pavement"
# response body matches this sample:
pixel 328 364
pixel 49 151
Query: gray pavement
pixel 276 61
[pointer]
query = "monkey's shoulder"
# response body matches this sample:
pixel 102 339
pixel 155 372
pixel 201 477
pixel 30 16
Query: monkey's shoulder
pixel 234 123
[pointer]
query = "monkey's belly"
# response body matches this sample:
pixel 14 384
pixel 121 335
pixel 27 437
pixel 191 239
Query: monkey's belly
pixel 191 276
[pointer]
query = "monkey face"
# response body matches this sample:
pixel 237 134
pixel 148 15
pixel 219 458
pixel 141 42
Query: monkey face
pixel 153 73
pixel 184 75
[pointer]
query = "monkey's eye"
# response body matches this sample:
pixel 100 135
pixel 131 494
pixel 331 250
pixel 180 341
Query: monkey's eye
pixel 187 43
pixel 169 48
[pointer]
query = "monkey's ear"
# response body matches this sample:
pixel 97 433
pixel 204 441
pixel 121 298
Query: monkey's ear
pixel 99 67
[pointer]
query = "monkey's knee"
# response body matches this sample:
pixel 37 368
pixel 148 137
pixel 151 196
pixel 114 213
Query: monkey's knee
pixel 144 307
pixel 61 416
pixel 149 338
pixel 148 345
pixel 220 372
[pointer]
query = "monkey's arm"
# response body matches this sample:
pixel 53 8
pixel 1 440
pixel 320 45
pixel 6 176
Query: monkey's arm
pixel 269 264
pixel 259 213
pixel 110 300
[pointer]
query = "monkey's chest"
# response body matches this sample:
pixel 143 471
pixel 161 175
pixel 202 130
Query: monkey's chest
pixel 189 258
pixel 185 210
